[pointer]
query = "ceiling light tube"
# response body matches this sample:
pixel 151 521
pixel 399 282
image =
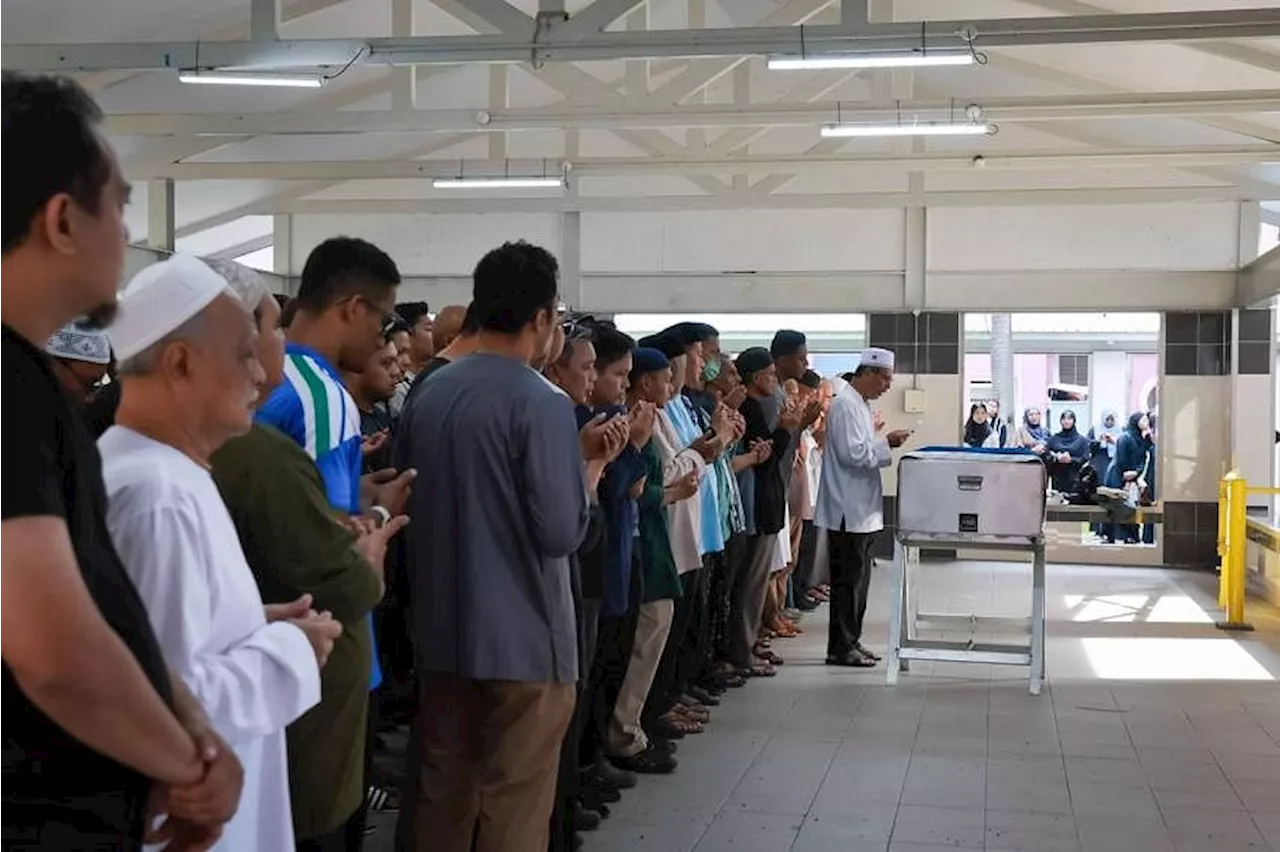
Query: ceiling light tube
pixel 498 183
pixel 872 60
pixel 238 78
pixel 883 130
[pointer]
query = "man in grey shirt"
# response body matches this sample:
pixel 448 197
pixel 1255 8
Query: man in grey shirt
pixel 499 508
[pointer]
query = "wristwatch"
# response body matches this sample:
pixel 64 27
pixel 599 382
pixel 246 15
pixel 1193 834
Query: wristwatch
pixel 381 515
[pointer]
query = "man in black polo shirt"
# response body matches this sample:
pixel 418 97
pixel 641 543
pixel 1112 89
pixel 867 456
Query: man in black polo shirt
pixel 97 734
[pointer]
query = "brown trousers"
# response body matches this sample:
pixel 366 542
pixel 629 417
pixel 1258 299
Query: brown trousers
pixel 488 754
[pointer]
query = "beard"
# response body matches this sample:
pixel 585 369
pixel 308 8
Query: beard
pixel 100 317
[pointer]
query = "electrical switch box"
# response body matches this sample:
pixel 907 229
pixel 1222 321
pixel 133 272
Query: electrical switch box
pixel 913 401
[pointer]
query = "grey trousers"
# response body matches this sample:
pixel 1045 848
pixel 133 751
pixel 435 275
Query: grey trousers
pixel 746 601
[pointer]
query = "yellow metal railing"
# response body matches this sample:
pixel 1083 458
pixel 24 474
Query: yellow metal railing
pixel 1233 503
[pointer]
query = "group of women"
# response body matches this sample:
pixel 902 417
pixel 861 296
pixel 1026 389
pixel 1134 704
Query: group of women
pixel 1123 456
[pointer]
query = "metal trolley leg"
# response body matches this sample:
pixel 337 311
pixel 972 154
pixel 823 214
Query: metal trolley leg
pixel 1037 620
pixel 897 614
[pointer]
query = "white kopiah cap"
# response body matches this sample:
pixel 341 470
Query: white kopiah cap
pixel 161 298
pixel 72 343
pixel 876 357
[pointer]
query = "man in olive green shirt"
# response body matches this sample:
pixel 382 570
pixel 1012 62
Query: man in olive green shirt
pixel 297 545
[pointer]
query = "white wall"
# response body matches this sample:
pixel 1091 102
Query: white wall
pixel 1170 256
pixel 1109 377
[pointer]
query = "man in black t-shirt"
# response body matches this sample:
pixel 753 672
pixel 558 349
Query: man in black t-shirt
pixel 96 731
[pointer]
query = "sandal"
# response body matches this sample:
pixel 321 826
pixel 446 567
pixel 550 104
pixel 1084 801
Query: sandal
pixel 760 669
pixel 768 656
pixel 691 714
pixel 681 723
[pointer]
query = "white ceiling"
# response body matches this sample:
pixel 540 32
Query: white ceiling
pixel 221 178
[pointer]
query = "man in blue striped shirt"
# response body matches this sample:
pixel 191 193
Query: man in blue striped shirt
pixel 345 305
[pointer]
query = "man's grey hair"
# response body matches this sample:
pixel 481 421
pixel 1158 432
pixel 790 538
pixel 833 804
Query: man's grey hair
pixel 243 281
pixel 144 362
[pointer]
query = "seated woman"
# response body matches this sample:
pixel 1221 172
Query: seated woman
pixel 1065 453
pixel 1032 435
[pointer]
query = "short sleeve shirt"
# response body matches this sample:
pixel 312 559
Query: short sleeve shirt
pixel 58 792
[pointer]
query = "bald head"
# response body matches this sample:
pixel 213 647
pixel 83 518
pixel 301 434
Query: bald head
pixel 448 325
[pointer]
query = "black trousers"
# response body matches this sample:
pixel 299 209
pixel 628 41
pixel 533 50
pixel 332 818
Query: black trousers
pixel 850 580
pixel 569 775
pixel 696 641
pixel 806 559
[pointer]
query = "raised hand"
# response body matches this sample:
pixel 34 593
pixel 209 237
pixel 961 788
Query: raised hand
pixel 375 442
pixel 898 437
pixel 877 419
pixel 321 630
pixel 683 488
pixel 287 611
pixel 372 542
pixel 617 433
pixel 736 397
pixel 390 488
pixel 642 417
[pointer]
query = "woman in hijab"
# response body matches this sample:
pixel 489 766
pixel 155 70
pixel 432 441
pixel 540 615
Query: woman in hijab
pixel 977 430
pixel 1032 435
pixel 1104 437
pixel 1065 454
pixel 1131 464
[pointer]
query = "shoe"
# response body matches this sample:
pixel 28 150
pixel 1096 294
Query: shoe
pixel 609 775
pixel 665 746
pixel 852 660
pixel 597 797
pixel 664 730
pixel 582 818
pixel 648 762
pixel 703 697
pixel 806 604
pixel 576 842
pixel 867 652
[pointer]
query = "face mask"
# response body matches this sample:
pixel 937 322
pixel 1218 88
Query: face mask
pixel 710 371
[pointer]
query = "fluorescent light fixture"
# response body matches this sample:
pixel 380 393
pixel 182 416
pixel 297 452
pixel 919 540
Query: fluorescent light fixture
pixel 880 130
pixel 871 60
pixel 238 78
pixel 498 183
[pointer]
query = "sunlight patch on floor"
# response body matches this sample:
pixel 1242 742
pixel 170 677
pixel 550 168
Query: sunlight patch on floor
pixel 1122 608
pixel 1137 658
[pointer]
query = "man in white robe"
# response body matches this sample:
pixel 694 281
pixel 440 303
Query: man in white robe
pixel 850 504
pixel 188 361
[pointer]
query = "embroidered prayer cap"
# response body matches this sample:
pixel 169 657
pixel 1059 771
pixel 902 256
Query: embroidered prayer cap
pixel 243 281
pixel 160 299
pixel 73 343
pixel 881 359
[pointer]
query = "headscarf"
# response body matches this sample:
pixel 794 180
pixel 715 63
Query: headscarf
pixel 1133 428
pixel 1070 440
pixel 975 433
pixel 1039 433
pixel 1115 430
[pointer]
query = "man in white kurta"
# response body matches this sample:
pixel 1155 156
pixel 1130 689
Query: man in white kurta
pixel 182 393
pixel 850 505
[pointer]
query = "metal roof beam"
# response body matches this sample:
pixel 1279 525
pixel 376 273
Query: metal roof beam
pixel 820 201
pixel 1259 282
pixel 725 42
pixel 1070 108
pixel 677 162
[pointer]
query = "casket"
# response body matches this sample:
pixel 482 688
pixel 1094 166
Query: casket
pixel 971 494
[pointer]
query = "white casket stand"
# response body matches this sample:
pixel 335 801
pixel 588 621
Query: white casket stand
pixel 959 498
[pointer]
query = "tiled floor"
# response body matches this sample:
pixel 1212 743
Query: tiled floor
pixel 1157 732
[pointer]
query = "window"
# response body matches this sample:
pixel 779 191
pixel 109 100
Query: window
pixel 1073 370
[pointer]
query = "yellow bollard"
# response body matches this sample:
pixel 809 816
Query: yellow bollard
pixel 1222 544
pixel 1233 562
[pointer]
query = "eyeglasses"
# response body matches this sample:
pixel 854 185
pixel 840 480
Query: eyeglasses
pixel 390 319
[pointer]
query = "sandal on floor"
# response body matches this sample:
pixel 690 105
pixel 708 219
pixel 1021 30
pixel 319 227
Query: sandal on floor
pixel 760 669
pixel 692 714
pixel 769 657
pixel 681 723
